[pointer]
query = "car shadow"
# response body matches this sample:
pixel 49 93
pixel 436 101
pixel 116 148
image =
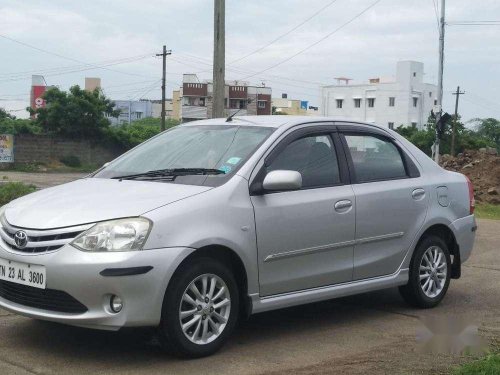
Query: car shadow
pixel 143 346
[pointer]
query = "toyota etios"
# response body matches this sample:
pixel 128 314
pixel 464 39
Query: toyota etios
pixel 217 219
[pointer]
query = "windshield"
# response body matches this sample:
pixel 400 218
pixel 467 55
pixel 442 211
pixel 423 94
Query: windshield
pixel 222 147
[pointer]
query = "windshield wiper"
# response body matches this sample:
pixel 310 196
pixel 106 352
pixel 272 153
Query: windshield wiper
pixel 173 172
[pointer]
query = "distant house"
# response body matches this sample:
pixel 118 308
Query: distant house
pixel 295 107
pixel 131 110
pixel 196 98
pixel 405 100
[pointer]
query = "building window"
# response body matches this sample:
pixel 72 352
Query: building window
pixel 339 102
pixel 261 104
pixel 430 94
pixel 392 101
pixel 391 125
pixel 435 102
pixel 371 102
pixel 138 115
pixel 357 103
pixel 414 124
pixel 237 104
pixel 202 102
pixel 415 102
pixel 414 74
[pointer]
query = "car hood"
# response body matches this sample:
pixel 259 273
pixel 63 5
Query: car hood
pixel 93 199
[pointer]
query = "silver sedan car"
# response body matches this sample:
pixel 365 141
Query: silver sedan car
pixel 215 220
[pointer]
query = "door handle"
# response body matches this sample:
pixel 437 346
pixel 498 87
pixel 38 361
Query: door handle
pixel 342 205
pixel 418 193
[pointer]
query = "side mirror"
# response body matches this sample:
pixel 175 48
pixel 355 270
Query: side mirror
pixel 282 180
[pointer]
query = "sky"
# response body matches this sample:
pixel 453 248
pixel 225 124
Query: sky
pixel 117 40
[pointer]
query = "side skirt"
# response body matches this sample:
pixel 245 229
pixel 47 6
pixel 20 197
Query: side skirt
pixel 284 300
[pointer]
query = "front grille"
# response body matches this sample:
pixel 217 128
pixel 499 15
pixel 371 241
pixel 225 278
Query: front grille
pixel 45 299
pixel 39 240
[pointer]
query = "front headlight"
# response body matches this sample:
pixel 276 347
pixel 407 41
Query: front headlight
pixel 114 235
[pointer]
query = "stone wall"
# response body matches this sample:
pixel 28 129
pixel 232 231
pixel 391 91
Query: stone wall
pixel 44 149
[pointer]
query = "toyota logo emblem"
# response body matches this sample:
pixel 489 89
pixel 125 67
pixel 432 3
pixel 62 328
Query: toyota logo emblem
pixel 21 239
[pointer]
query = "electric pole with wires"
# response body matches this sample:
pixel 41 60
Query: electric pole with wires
pixel 455 120
pixel 219 59
pixel 440 81
pixel 164 54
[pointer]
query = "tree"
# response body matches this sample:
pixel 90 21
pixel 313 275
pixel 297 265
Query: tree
pixel 130 135
pixel 9 124
pixel 75 114
pixel 5 115
pixel 490 129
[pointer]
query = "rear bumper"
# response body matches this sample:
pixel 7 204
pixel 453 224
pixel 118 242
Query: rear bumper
pixel 79 274
pixel 464 230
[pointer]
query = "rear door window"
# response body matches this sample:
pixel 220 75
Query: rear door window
pixel 375 158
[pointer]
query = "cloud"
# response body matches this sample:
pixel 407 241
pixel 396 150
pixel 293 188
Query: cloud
pixel 370 46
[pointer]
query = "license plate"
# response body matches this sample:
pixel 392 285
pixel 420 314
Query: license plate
pixel 23 273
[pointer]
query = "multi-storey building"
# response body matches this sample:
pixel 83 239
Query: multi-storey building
pixel 196 98
pixel 405 100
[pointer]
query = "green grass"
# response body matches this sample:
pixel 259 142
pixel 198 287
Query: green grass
pixel 489 365
pixel 12 190
pixel 487 211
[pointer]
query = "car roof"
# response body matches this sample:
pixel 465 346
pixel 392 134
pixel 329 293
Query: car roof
pixel 276 121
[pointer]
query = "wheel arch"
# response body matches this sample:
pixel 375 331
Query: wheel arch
pixel 444 232
pixel 232 260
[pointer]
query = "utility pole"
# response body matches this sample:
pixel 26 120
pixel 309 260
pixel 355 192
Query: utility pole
pixel 455 120
pixel 164 54
pixel 440 80
pixel 219 58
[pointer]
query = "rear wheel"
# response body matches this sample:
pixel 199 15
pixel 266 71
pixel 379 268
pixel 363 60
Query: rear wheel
pixel 200 308
pixel 430 272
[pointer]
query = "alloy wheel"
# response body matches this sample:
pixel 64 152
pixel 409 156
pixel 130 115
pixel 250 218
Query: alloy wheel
pixel 204 309
pixel 433 271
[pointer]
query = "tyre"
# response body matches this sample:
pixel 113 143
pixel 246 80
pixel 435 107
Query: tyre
pixel 430 272
pixel 200 308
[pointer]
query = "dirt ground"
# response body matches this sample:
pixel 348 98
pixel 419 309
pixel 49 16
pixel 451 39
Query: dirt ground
pixel 483 170
pixel 373 333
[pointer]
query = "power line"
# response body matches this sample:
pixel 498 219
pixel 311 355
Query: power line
pixel 474 23
pixel 78 70
pixel 64 57
pixel 285 34
pixel 70 67
pixel 318 41
pixel 436 13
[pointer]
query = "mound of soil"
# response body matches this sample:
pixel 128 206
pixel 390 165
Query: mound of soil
pixel 483 169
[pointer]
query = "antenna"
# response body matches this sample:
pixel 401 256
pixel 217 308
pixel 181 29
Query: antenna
pixel 230 117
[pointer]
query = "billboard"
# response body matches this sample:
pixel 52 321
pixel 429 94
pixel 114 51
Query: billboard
pixel 36 96
pixel 38 88
pixel 303 104
pixel 6 148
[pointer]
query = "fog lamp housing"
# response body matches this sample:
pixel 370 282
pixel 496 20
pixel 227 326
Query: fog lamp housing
pixel 116 304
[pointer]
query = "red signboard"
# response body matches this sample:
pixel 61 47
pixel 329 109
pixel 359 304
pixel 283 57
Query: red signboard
pixel 36 96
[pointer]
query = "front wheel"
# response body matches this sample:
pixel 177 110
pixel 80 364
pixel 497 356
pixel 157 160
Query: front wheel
pixel 200 308
pixel 430 272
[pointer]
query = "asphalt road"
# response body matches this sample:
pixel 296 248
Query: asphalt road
pixel 373 333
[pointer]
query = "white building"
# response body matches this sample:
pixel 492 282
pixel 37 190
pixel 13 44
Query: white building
pixel 405 100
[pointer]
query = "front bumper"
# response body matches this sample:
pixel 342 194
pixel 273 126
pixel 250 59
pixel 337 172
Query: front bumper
pixel 78 274
pixel 464 230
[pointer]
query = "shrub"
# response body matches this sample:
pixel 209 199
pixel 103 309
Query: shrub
pixel 12 190
pixel 71 161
